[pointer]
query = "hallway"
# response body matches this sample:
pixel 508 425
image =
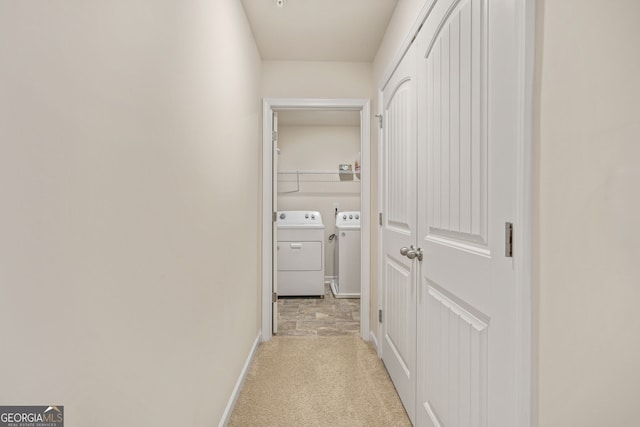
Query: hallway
pixel 131 180
pixel 309 381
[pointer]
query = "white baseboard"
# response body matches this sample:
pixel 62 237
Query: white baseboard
pixel 236 390
pixel 374 341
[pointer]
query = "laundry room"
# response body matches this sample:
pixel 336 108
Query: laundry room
pixel 318 169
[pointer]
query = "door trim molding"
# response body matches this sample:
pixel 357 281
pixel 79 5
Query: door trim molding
pixel 362 105
pixel 525 23
pixel 525 15
pixel 380 252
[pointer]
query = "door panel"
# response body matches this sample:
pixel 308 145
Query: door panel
pixel 399 228
pixel 467 118
pixel 399 296
pixel 456 134
pixel 455 362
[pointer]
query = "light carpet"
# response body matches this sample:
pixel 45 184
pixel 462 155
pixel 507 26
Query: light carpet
pixel 318 381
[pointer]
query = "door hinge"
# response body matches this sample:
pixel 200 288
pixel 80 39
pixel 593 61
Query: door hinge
pixel 508 239
pixel 380 315
pixel 379 117
pixel 274 216
pixel 274 136
pixel 274 297
pixel 380 218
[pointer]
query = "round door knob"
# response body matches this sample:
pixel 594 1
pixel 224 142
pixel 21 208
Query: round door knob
pixel 411 252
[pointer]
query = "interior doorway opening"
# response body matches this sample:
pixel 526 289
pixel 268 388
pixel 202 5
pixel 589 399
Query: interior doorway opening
pixel 317 176
pixel 300 185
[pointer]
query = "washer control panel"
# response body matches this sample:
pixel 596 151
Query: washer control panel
pixel 348 218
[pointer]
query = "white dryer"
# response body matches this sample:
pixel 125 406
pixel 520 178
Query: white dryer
pixel 300 253
pixel 347 283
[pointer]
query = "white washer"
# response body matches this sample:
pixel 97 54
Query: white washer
pixel 300 253
pixel 347 284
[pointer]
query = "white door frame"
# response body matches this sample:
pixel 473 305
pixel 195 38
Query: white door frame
pixel 361 105
pixel 525 23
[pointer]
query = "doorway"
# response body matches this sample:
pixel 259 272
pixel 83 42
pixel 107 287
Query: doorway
pixel 296 108
pixel 318 183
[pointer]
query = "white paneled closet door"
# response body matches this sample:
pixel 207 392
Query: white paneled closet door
pixel 398 181
pixel 450 321
pixel 467 115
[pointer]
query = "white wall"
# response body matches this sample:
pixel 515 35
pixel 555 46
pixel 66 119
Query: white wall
pixel 588 274
pixel 301 79
pixel 319 148
pixel 128 130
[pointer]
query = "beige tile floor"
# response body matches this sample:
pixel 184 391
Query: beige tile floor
pixel 318 316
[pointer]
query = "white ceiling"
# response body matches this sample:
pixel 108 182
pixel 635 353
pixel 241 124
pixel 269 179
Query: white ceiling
pixel 319 30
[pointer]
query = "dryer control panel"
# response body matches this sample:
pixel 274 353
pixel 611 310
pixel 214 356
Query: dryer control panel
pixel 299 218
